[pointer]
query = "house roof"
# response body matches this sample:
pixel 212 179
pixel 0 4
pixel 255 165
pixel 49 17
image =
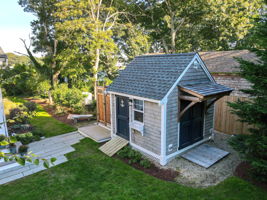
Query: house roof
pixel 206 90
pixel 2 53
pixel 151 76
pixel 224 61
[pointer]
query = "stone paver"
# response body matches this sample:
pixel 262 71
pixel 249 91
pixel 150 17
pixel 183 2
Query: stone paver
pixel 54 147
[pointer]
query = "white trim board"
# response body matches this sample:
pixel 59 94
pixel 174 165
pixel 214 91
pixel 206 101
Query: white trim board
pixel 163 138
pixel 134 97
pixel 154 155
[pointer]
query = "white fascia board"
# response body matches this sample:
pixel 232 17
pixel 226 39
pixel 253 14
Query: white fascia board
pixel 134 97
pixel 179 78
pixel 204 67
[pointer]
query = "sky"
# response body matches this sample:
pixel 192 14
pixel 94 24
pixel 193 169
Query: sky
pixel 14 24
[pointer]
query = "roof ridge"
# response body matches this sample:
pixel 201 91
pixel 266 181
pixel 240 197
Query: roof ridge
pixel 167 55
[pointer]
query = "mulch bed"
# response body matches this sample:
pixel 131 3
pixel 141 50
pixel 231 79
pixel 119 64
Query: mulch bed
pixel 242 171
pixel 163 174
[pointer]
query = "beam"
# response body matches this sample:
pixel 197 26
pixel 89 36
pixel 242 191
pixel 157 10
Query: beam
pixel 191 92
pixel 186 108
pixel 190 98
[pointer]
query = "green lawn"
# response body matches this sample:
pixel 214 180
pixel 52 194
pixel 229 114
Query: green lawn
pixel 89 174
pixel 43 121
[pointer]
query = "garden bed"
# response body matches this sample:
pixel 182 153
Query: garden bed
pixel 153 170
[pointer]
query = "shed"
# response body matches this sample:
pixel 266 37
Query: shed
pixel 163 104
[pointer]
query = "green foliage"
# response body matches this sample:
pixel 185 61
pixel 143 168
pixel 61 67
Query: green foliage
pixel 30 107
pixel 133 157
pixel 43 88
pixel 69 97
pixel 253 147
pixel 23 149
pixel 20 80
pixel 25 138
pixel 18 116
pixel 14 59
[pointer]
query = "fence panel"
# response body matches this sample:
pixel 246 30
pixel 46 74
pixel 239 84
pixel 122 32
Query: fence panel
pixel 225 121
pixel 103 106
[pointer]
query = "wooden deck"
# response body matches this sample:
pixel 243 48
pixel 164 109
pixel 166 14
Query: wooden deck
pixel 95 132
pixel 205 155
pixel 113 146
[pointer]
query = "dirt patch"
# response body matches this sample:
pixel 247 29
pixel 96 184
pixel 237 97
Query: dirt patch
pixel 194 175
pixel 160 173
pixel 243 171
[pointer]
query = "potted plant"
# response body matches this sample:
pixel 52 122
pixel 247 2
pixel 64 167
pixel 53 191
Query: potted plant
pixel 23 149
pixel 13 148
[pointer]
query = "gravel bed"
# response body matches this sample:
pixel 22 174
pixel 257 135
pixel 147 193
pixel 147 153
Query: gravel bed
pixel 196 176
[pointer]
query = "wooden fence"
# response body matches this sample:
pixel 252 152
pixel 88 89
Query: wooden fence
pixel 103 106
pixel 225 121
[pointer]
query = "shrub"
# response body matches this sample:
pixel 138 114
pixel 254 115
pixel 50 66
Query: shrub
pixel 2 138
pixel 43 88
pixel 25 138
pixel 145 163
pixel 18 115
pixel 133 157
pixel 69 97
pixel 30 106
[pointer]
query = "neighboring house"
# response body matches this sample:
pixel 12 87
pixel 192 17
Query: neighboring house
pixel 3 126
pixel 163 104
pixel 3 59
pixel 225 68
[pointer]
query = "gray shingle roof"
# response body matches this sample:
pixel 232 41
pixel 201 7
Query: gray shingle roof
pixel 151 76
pixel 207 89
pixel 224 61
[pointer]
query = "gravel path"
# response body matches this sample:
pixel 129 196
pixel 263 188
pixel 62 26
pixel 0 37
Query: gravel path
pixel 196 176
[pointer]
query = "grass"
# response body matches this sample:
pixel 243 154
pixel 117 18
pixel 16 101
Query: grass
pixel 89 174
pixel 42 121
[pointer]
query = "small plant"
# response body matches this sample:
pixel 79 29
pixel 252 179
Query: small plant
pixel 25 138
pixel 2 138
pixel 13 148
pixel 133 157
pixel 30 106
pixel 18 115
pixel 23 149
pixel 2 141
pixel 145 163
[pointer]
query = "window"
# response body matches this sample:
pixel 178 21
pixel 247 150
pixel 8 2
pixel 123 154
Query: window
pixel 138 110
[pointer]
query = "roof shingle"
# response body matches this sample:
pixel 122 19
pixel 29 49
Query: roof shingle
pixel 151 76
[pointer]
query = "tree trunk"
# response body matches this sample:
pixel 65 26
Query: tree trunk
pixel 96 66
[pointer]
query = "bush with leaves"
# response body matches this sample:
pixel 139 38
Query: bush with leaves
pixel 30 107
pixel 69 97
pixel 133 157
pixel 18 116
pixel 20 80
pixel 43 89
pixel 25 138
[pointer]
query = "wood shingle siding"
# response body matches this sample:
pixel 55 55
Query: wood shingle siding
pixel 172 122
pixel 152 129
pixel 208 121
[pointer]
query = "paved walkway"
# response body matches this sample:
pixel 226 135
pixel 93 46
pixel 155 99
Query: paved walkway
pixel 55 147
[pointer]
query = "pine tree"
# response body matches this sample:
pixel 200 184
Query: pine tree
pixel 253 147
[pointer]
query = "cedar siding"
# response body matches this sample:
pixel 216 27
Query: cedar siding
pixel 152 129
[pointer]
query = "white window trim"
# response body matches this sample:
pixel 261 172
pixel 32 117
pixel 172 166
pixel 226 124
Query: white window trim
pixel 141 111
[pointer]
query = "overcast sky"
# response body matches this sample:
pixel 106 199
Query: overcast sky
pixel 14 24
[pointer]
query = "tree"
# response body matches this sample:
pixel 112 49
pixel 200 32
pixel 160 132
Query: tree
pixel 253 147
pixel 193 25
pixel 88 25
pixel 44 37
